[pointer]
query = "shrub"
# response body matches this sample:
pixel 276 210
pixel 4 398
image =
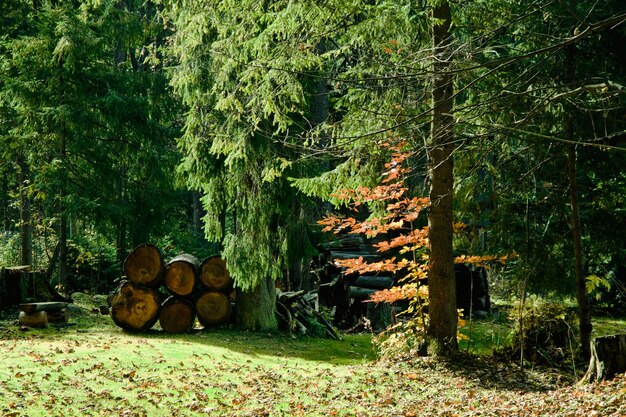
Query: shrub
pixel 545 328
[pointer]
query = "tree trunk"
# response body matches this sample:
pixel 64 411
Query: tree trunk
pixel 144 266
pixel 26 235
pixel 607 358
pixel 4 194
pixel 584 315
pixel 63 226
pixel 256 307
pixel 441 282
pixel 379 315
pixel 213 307
pixel 177 316
pixel 135 308
pixel 214 275
pixel 181 275
pixel 196 213
pixel 120 243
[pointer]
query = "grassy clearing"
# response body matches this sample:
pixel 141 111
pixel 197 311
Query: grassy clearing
pixel 93 368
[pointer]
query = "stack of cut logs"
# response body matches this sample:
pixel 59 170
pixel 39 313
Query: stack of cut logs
pixel 196 289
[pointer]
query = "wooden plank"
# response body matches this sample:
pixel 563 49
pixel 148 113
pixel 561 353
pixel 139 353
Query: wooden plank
pixel 30 308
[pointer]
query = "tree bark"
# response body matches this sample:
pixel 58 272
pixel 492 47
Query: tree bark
pixel 442 287
pixel 256 307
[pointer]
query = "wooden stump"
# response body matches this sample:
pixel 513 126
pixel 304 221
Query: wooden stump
pixel 144 266
pixel 135 308
pixel 214 275
pixel 181 275
pixel 608 358
pixel 213 307
pixel 379 315
pixel 176 316
pixel 37 319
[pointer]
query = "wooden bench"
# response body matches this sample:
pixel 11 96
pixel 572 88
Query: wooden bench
pixel 40 314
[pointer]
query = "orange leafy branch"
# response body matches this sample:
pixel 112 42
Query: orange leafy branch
pixel 358 265
pixel 414 240
pixel 484 260
pixel 395 294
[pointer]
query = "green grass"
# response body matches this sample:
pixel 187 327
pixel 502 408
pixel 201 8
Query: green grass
pixel 92 368
pixel 485 336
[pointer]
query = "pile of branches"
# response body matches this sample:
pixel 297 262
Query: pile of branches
pixel 298 311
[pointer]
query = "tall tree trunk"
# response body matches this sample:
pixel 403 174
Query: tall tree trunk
pixel 4 194
pixel 441 282
pixel 256 307
pixel 120 241
pixel 584 315
pixel 63 223
pixel 26 235
pixel 196 207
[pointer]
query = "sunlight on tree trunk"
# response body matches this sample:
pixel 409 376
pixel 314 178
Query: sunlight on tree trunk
pixel 441 282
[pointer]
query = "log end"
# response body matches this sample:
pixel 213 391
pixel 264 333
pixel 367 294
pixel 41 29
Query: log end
pixel 214 275
pixel 135 308
pixel 144 265
pixel 213 308
pixel 176 316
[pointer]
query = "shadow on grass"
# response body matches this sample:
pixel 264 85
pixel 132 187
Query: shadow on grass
pixel 353 349
pixel 84 324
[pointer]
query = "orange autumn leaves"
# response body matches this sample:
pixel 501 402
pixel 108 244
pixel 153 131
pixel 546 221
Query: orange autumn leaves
pixel 400 214
pixel 409 243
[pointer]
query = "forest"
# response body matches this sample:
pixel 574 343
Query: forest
pixel 437 185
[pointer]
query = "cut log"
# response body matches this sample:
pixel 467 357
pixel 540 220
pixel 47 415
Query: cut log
pixel 177 315
pixel 347 242
pixel 57 316
pixel 30 308
pixel 360 293
pixel 367 281
pixel 214 275
pixel 181 275
pixel 608 358
pixel 369 257
pixel 135 308
pixel 38 319
pixel 144 266
pixel 212 307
